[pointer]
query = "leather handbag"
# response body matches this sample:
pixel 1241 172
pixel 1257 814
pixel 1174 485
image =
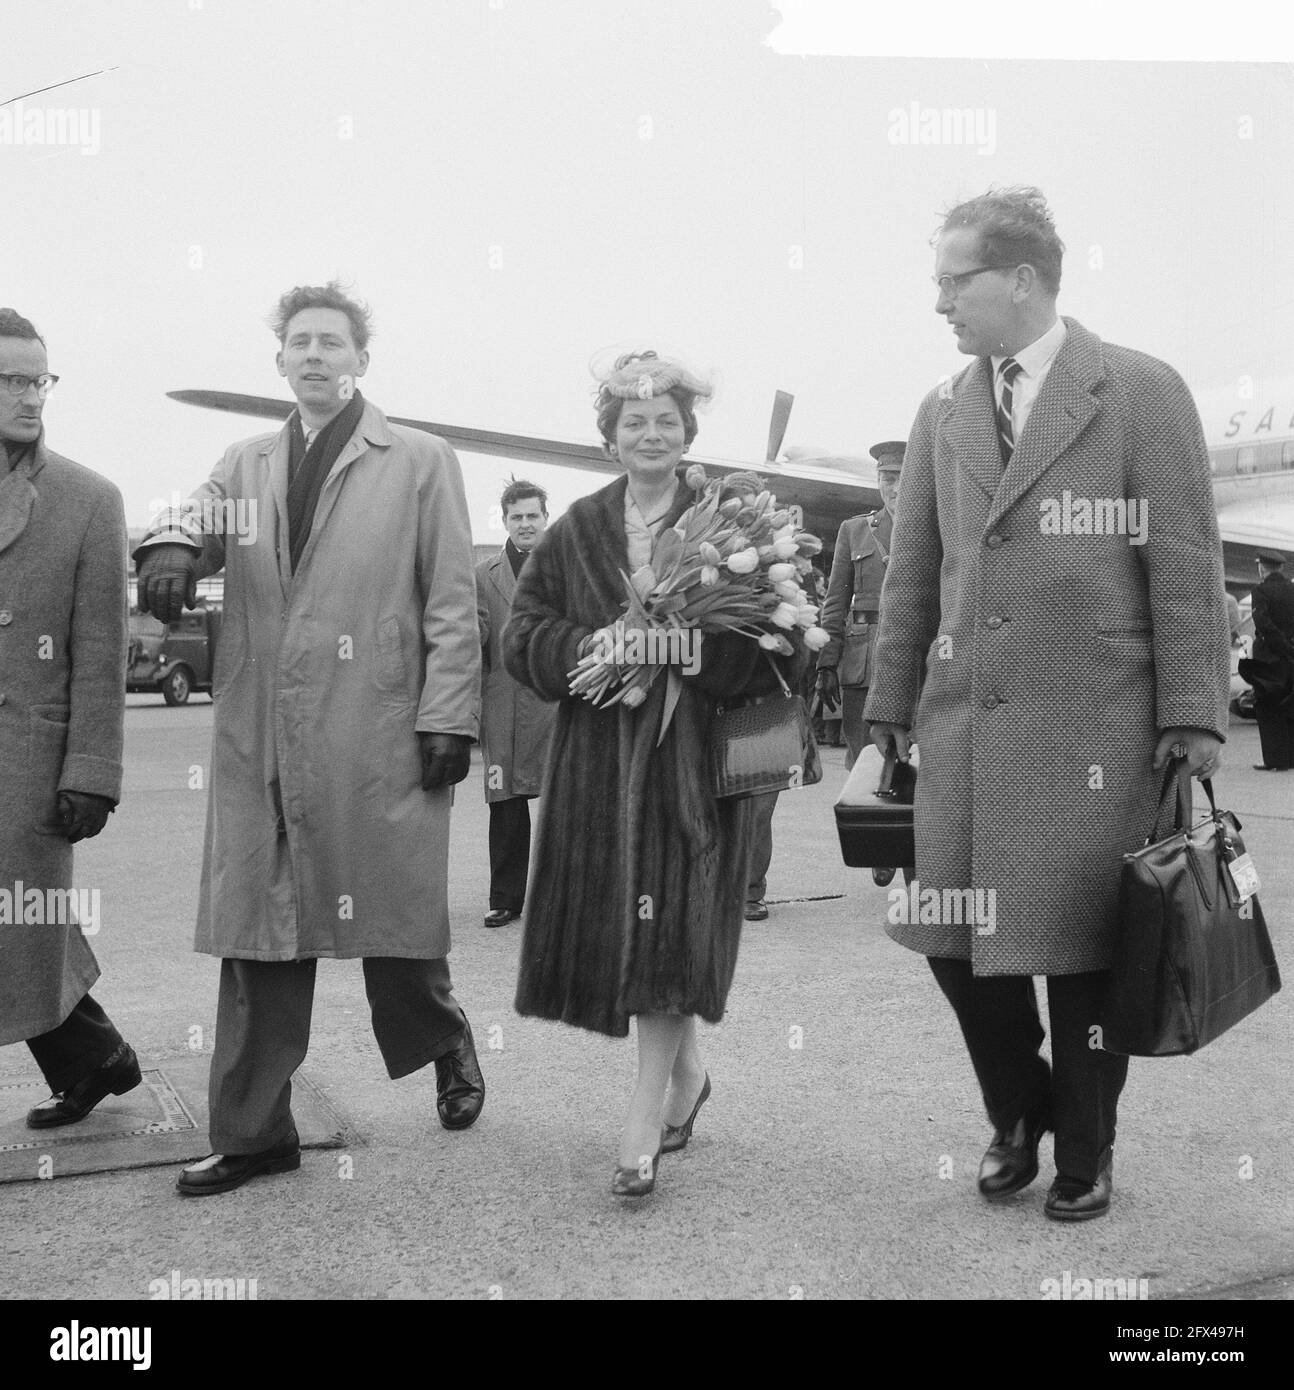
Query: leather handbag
pixel 1193 956
pixel 762 744
pixel 874 813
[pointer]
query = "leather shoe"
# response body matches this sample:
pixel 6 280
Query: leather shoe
pixel 1011 1160
pixel 500 916
pixel 1267 767
pixel 1072 1199
pixel 756 911
pixel 460 1087
pixel 630 1182
pixel 675 1137
pixel 224 1172
pixel 119 1074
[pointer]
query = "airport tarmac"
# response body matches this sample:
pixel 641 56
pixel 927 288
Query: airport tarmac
pixel 835 1160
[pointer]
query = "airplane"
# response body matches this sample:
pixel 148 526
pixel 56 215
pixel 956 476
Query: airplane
pixel 1251 456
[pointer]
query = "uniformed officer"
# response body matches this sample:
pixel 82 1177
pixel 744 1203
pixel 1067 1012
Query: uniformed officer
pixel 850 614
pixel 1273 610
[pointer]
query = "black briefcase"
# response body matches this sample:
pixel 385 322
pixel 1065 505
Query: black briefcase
pixel 874 813
pixel 1193 956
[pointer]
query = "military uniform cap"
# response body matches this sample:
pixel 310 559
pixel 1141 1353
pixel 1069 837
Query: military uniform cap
pixel 889 454
pixel 1276 561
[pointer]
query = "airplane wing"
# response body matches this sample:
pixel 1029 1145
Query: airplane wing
pixel 1265 524
pixel 821 487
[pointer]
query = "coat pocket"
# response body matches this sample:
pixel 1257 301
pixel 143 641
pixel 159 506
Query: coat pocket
pixel 46 748
pixel 389 671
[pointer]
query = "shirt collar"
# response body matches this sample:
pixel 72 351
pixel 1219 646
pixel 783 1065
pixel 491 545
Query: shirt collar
pixel 1035 358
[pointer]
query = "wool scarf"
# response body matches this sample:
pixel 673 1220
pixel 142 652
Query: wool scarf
pixel 307 469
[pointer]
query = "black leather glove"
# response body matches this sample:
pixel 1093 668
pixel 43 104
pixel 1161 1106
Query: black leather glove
pixel 829 685
pixel 83 814
pixel 446 759
pixel 168 580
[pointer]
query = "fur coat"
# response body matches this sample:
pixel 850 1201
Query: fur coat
pixel 640 875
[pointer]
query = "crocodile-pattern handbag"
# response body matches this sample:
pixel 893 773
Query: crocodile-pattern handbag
pixel 762 744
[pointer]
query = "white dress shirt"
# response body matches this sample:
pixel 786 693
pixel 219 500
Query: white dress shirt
pixel 1035 362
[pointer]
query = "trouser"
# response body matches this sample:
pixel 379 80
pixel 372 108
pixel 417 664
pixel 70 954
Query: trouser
pixel 999 1021
pixel 856 729
pixel 83 1042
pixel 761 846
pixel 1275 730
pixel 509 852
pixel 263 1031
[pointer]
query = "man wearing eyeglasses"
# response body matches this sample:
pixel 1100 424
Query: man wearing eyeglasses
pixel 1068 656
pixel 62 705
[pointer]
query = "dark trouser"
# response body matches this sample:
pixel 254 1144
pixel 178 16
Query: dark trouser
pixel 81 1043
pixel 761 846
pixel 263 1030
pixel 999 1020
pixel 856 729
pixel 509 852
pixel 1275 730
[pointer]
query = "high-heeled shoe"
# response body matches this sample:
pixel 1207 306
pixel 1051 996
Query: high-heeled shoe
pixel 629 1182
pixel 675 1137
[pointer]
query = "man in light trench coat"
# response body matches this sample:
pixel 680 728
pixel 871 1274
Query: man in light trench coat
pixel 516 724
pixel 346 687
pixel 62 703
pixel 1057 572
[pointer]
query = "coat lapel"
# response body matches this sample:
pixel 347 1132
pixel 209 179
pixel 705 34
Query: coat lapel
pixel 370 430
pixel 274 457
pixel 17 495
pixel 501 576
pixel 970 428
pixel 1062 411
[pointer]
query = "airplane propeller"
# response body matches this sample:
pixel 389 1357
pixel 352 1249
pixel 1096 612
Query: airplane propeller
pixel 782 403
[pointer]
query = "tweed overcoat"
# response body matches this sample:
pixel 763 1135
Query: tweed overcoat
pixel 516 723
pixel 62 703
pixel 854 595
pixel 320 840
pixel 639 879
pixel 1053 657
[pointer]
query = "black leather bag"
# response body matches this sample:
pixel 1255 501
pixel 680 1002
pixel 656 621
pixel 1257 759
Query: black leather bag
pixel 876 829
pixel 1192 957
pixel 760 745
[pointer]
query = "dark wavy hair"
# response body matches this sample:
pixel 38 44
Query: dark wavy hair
pixel 519 490
pixel 330 296
pixel 13 325
pixel 609 405
pixel 1015 228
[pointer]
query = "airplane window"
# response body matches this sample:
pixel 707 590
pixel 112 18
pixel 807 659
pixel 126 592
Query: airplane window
pixel 1223 461
pixel 1247 460
pixel 1287 454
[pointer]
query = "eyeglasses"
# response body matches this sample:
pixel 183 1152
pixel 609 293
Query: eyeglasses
pixel 17 385
pixel 950 285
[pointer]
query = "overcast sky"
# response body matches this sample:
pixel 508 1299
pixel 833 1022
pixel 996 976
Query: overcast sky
pixel 518 186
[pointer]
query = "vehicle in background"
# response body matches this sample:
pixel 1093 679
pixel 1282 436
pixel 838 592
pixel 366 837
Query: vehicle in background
pixel 176 658
pixel 1242 693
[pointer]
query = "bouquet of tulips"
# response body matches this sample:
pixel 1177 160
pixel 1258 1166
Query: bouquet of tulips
pixel 724 566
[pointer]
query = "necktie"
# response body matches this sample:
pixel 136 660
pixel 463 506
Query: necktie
pixel 1007 373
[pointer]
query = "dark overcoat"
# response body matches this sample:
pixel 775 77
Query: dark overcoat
pixel 1053 657
pixel 515 722
pixel 62 705
pixel 640 874
pixel 849 614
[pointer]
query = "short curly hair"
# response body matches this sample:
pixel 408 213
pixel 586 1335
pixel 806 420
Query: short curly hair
pixel 661 377
pixel 330 296
pixel 1015 228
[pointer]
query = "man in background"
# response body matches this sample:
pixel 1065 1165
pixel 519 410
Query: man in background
pixel 515 723
pixel 1273 614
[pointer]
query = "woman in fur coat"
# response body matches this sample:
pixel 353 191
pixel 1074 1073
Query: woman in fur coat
pixel 640 874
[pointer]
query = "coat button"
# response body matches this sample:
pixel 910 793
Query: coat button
pixel 994 541
pixel 994 621
pixel 6 617
pixel 991 702
pixel 2 699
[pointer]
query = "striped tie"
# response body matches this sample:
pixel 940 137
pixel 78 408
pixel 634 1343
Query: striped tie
pixel 1007 372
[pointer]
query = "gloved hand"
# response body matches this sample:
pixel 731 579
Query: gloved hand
pixel 168 580
pixel 829 685
pixel 446 759
pixel 83 814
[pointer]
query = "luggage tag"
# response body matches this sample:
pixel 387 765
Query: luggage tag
pixel 1244 874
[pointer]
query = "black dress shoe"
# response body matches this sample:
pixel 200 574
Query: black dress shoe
pixel 1268 767
pixel 633 1182
pixel 756 910
pixel 460 1087
pixel 675 1137
pixel 224 1172
pixel 1011 1160
pixel 500 916
pixel 119 1074
pixel 1072 1199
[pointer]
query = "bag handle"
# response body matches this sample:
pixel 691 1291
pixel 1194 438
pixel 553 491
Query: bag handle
pixel 781 680
pixel 1178 781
